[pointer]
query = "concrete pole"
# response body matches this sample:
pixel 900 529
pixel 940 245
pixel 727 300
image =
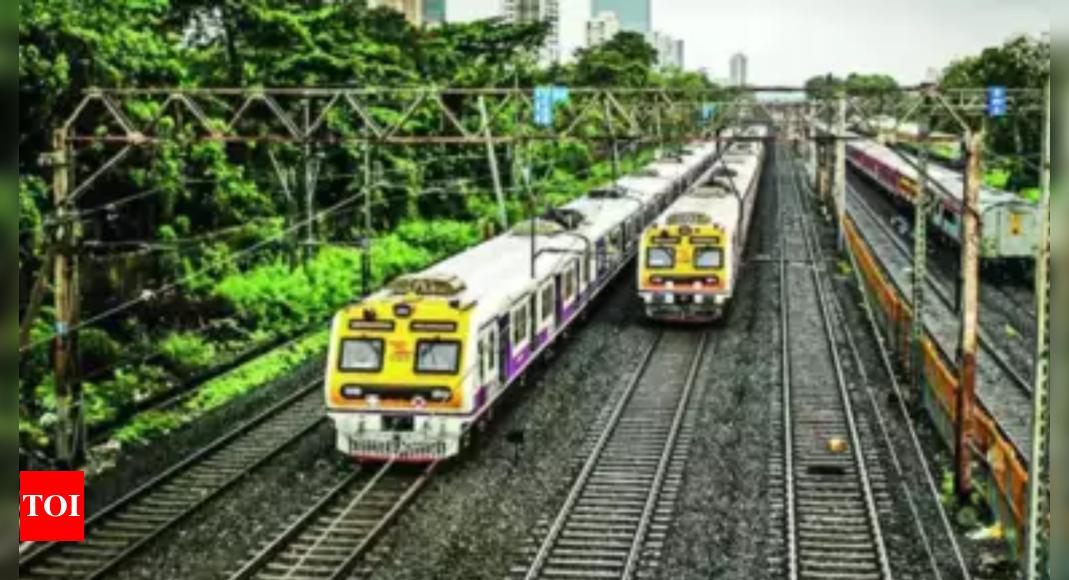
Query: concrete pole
pixel 66 295
pixel 970 324
pixel 502 215
pixel 840 171
pixel 920 263
pixel 1037 560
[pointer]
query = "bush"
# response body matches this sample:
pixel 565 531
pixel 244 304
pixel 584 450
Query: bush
pixel 188 353
pixel 224 389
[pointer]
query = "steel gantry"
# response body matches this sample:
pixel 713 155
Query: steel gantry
pixel 116 123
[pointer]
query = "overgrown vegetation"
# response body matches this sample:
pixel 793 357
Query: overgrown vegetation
pixel 215 226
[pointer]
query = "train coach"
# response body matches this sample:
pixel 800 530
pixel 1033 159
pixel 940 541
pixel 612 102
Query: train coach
pixel 691 256
pixel 1009 224
pixel 413 368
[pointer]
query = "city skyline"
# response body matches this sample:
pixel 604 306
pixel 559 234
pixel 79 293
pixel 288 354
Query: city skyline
pixel 794 41
pixel 740 70
pixel 634 15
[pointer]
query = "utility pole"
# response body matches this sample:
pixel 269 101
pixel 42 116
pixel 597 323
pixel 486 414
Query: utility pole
pixel 495 173
pixel 1037 559
pixel 311 171
pixel 365 242
pixel 840 171
pixel 920 259
pixel 68 405
pixel 970 264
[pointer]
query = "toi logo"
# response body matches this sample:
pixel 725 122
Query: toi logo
pixel 52 506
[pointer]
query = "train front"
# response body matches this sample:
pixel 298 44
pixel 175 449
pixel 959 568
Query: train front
pixel 683 272
pixel 396 379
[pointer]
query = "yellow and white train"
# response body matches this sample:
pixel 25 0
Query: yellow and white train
pixel 414 367
pixel 691 256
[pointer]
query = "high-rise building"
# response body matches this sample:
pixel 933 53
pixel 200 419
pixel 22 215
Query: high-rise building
pixel 412 9
pixel 602 29
pixel 634 15
pixel 433 12
pixel 740 70
pixel 669 50
pixel 680 57
pixel 524 11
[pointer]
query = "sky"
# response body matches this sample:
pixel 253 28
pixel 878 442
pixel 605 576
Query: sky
pixel 789 41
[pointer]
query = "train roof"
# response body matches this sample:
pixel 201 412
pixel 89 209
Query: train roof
pixel 718 195
pixel 951 182
pixel 497 273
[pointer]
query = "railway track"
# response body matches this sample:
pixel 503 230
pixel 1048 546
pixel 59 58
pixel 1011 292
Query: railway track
pixel 331 539
pixel 832 520
pixel 1016 368
pixel 121 530
pixel 615 518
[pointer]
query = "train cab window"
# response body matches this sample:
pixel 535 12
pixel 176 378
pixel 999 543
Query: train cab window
pixel 363 355
pixel 521 325
pixel 547 304
pixel 435 357
pixel 709 259
pixel 661 258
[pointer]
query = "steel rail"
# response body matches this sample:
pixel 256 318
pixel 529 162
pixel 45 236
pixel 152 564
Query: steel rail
pixel 936 496
pixel 986 343
pixel 129 524
pixel 878 543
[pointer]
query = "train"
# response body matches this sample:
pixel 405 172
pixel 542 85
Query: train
pixel 691 256
pixel 414 369
pixel 1009 225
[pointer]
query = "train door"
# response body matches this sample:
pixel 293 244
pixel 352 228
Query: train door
pixel 490 359
pixel 547 307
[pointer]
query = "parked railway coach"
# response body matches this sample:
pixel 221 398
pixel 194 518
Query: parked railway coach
pixel 691 256
pixel 414 367
pixel 1009 225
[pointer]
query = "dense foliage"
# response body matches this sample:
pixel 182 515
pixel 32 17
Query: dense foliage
pixel 216 222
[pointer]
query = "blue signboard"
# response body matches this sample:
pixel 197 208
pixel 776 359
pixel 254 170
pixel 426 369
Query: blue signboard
pixel 997 102
pixel 546 100
pixel 708 112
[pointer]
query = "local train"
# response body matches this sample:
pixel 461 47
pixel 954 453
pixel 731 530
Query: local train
pixel 1009 224
pixel 413 368
pixel 691 256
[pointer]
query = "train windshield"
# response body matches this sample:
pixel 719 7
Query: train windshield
pixel 709 259
pixel 362 355
pixel 438 357
pixel 661 258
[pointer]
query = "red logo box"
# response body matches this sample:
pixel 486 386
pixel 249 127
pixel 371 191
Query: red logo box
pixel 52 506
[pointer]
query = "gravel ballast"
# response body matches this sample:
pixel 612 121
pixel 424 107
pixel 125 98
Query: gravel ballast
pixel 469 522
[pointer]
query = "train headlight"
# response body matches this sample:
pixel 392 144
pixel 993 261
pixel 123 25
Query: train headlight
pixel 712 280
pixel 441 395
pixel 373 401
pixel 352 393
pixel 656 280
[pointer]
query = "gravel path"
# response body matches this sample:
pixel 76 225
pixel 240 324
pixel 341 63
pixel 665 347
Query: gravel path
pixel 468 523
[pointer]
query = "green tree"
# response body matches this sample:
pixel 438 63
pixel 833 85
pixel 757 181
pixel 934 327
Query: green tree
pixel 625 61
